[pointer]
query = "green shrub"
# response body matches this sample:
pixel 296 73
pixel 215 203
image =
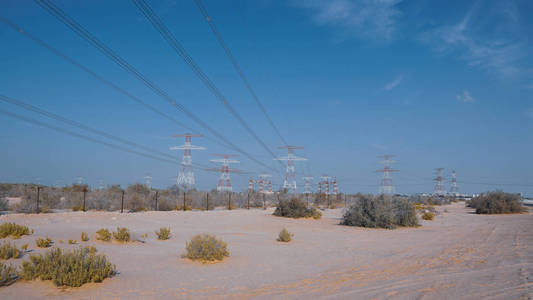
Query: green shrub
pixel 8 274
pixel 13 230
pixel 206 248
pixel 381 211
pixel 68 268
pixel 284 236
pixel 72 242
pixel 8 250
pixel 103 235
pixel 163 233
pixel 295 208
pixel 122 234
pixel 84 237
pixel 76 208
pixel 497 203
pixel 428 216
pixel 43 243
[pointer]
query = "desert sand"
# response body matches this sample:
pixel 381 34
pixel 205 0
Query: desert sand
pixel 459 255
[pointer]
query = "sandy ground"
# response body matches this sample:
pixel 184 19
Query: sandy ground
pixel 459 255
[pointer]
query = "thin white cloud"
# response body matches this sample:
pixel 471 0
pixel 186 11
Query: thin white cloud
pixel 379 146
pixel 389 86
pixel 480 45
pixel 466 97
pixel 364 18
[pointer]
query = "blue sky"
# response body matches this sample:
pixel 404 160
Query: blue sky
pixel 445 84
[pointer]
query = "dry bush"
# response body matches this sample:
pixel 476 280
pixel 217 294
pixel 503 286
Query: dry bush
pixel 68 268
pixel 84 237
pixel 285 236
pixel 122 234
pixel 8 274
pixel 24 247
pixel 381 211
pixel 77 208
pixel 72 242
pixel 206 248
pixel 497 203
pixel 163 233
pixel 14 230
pixel 43 242
pixel 428 216
pixel 295 208
pixel 103 235
pixel 8 250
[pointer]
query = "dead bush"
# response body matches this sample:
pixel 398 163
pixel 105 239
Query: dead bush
pixel 103 235
pixel 497 203
pixel 68 268
pixel 8 274
pixel 8 250
pixel 295 208
pixel 14 230
pixel 163 233
pixel 84 237
pixel 206 248
pixel 285 236
pixel 43 242
pixel 428 216
pixel 122 234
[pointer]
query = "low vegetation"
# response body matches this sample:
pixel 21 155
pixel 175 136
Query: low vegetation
pixel 295 208
pixel 43 242
pixel 497 203
pixel 72 242
pixel 14 230
pixel 122 234
pixel 428 216
pixel 163 233
pixel 103 235
pixel 68 268
pixel 8 274
pixel 380 212
pixel 84 237
pixel 206 248
pixel 285 236
pixel 8 250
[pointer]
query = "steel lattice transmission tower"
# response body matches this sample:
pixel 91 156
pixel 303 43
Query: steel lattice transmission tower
pixel 147 179
pixel 224 183
pixel 386 186
pixel 186 174
pixel 454 189
pixel 439 186
pixel 307 186
pixel 325 183
pixel 290 176
pixel 263 182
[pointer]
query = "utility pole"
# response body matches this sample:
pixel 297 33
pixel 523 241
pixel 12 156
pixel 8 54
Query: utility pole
pixel 38 196
pixel 207 201
pixel 229 200
pixel 184 200
pixel 122 202
pixel 386 186
pixel 156 194
pixel 325 181
pixel 290 176
pixel 84 195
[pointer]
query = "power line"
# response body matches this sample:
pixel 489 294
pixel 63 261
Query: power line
pixel 81 136
pixel 79 125
pixel 178 48
pixel 86 35
pixel 236 66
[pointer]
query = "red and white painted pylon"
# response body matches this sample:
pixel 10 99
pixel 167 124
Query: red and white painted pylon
pixel 290 176
pixel 325 181
pixel 307 186
pixel 335 190
pixel 224 183
pixel 263 182
pixel 186 174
